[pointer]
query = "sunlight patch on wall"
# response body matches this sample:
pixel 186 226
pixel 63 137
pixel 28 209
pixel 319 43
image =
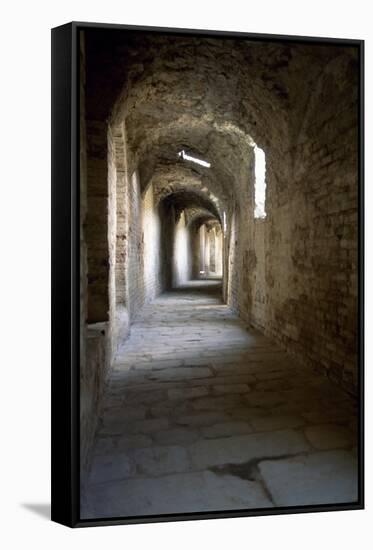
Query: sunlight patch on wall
pixel 260 183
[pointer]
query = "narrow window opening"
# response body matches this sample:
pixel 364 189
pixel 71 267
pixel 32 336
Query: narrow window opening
pixel 184 156
pixel 260 183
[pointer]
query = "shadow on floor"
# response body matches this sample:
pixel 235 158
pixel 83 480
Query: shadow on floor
pixel 200 288
pixel 42 510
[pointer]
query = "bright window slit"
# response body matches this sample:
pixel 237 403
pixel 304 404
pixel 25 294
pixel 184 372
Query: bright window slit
pixel 185 156
pixel 260 183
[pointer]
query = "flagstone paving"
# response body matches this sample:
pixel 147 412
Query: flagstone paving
pixel 202 413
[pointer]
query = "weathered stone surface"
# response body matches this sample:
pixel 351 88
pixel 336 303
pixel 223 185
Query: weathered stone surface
pixel 107 445
pixel 111 467
pixel 176 436
pixel 175 494
pixel 244 448
pixel 217 403
pixel 182 432
pixel 265 399
pixel 272 422
pixel 329 436
pixel 200 419
pixel 226 429
pixel 180 373
pixel 150 426
pixel 222 389
pixel 318 478
pixel 187 393
pixel 157 461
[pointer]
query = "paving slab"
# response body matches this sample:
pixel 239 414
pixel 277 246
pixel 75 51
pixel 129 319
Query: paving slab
pixel 194 389
pixel 244 448
pixel 223 389
pixel 319 478
pixel 175 494
pixel 226 429
pixel 187 393
pixel 275 422
pixel 329 436
pixel 111 467
pixel 176 436
pixel 159 460
pixel 174 373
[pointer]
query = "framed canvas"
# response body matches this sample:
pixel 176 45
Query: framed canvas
pixel 207 275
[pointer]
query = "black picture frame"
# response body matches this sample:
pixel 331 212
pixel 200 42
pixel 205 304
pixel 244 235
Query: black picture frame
pixel 65 490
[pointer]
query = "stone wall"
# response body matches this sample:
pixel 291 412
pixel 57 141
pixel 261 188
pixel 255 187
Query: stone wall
pixel 153 282
pixel 298 266
pixel 196 249
pixel 96 222
pixel 122 319
pixel 168 228
pixel 86 426
pixel 314 311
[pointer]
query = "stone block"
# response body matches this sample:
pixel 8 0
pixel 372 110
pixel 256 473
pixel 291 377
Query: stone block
pixel 226 429
pixel 329 436
pixel 245 448
pixel 187 393
pixel 221 389
pixel 180 373
pixel 175 494
pixel 176 436
pixel 159 461
pixel 318 478
pixel 274 422
pixel 111 467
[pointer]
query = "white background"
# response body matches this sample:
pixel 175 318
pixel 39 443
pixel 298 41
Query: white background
pixel 25 272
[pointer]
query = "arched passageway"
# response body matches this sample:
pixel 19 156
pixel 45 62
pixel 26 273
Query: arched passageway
pixel 213 305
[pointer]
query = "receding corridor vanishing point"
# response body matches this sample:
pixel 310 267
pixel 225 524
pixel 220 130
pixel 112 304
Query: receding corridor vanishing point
pixel 219 289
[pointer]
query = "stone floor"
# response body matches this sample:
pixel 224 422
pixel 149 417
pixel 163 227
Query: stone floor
pixel 203 414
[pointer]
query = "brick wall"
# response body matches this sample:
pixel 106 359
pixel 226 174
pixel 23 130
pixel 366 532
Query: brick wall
pixel 297 268
pixel 151 224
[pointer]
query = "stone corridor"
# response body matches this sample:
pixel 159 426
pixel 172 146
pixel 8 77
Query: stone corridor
pixel 202 413
pixel 227 170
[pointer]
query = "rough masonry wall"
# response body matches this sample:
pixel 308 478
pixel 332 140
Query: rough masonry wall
pixel 86 425
pixel 122 318
pixel 297 268
pixel 153 283
pixel 218 252
pixel 96 228
pixel 231 271
pixel 319 216
pixel 129 276
pixel 259 284
pixel 135 247
pixel 95 330
pixel 196 245
pixel 168 228
pixel 182 270
pixel 112 241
